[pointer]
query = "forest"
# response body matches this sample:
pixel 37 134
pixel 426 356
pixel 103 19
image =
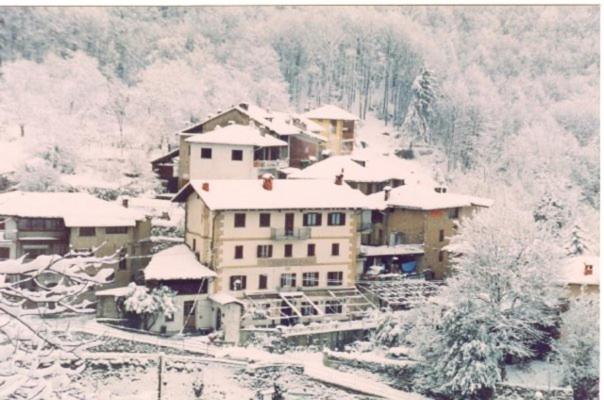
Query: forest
pixel 508 96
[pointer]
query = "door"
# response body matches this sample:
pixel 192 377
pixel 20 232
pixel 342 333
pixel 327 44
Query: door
pixel 289 224
pixel 189 315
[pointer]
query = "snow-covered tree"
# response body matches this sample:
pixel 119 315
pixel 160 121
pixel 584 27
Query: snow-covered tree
pixel 36 361
pixel 149 304
pixel 37 175
pixel 497 304
pixel 578 243
pixel 579 346
pixel 417 121
pixel 552 213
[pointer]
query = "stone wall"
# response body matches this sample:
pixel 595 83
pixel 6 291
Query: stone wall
pixel 505 391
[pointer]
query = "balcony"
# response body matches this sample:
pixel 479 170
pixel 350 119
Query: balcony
pixel 287 262
pixel 290 234
pixel 270 164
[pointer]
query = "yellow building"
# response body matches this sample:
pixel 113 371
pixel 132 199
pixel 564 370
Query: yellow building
pixel 338 128
pixel 411 226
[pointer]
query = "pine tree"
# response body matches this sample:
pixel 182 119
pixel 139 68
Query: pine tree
pixel 420 110
pixel 578 243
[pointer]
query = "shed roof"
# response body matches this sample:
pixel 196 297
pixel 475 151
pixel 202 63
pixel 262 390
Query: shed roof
pixel 176 263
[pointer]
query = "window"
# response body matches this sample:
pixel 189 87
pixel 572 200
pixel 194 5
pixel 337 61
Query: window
pixel 307 309
pixel 194 245
pixel 264 251
pixel 336 218
pixel 88 231
pixel 335 249
pixel 288 280
pixel 238 252
pixel 453 213
pixel 122 264
pixel 115 230
pixel 265 220
pixel 237 155
pixel 441 235
pixel 2 223
pixel 206 152
pixel 441 255
pixel 333 307
pixel 237 282
pixel 4 253
pixel 335 278
pixel 239 220
pixel 311 250
pixel 169 317
pixel 310 279
pixel 287 250
pixel 262 281
pixel 312 219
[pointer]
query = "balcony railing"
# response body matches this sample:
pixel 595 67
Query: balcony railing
pixel 287 262
pixel 290 234
pixel 270 163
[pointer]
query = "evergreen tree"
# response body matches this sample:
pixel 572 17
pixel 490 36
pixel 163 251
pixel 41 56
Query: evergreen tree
pixel 578 243
pixel 421 108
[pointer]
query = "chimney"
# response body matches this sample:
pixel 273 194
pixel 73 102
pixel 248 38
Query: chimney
pixel 244 106
pixel 267 182
pixel 125 202
pixel 589 269
pixel 387 190
pixel 340 177
pixel 205 186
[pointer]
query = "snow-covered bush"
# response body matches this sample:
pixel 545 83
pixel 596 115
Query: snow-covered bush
pixel 37 175
pixel 148 305
pixel 579 346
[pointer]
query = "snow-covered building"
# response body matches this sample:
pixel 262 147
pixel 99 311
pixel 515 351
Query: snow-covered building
pixel 166 169
pixel 581 275
pixel 33 224
pixel 410 227
pixel 235 152
pixel 368 174
pixel 279 243
pixel 302 136
pixel 338 127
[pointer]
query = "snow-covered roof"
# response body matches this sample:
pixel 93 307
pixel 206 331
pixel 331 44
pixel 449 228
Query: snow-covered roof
pixel 424 198
pixel 224 298
pixel 177 262
pixel 123 291
pixel 249 194
pixel 163 211
pixel 329 111
pixel 573 272
pixel 399 249
pixel 235 134
pixel 76 209
pixel 378 168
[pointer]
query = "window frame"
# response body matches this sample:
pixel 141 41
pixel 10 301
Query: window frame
pixel 310 279
pixel 204 153
pixel 309 252
pixel 341 219
pixel 238 252
pixel 262 281
pixel 339 281
pixel 239 152
pixel 234 278
pixel 316 221
pixel 116 230
pixel 92 229
pixel 264 220
pixel 292 278
pixel 264 251
pixel 335 249
pixel 288 250
pixel 239 220
pixel 441 235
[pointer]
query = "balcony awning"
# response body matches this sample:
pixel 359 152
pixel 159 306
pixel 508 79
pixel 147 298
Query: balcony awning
pixel 399 249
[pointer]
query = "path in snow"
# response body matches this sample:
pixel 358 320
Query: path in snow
pixel 312 362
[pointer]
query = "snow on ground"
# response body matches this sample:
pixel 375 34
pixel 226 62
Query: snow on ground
pixel 12 155
pixel 538 374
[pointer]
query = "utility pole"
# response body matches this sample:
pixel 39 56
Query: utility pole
pixel 159 378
